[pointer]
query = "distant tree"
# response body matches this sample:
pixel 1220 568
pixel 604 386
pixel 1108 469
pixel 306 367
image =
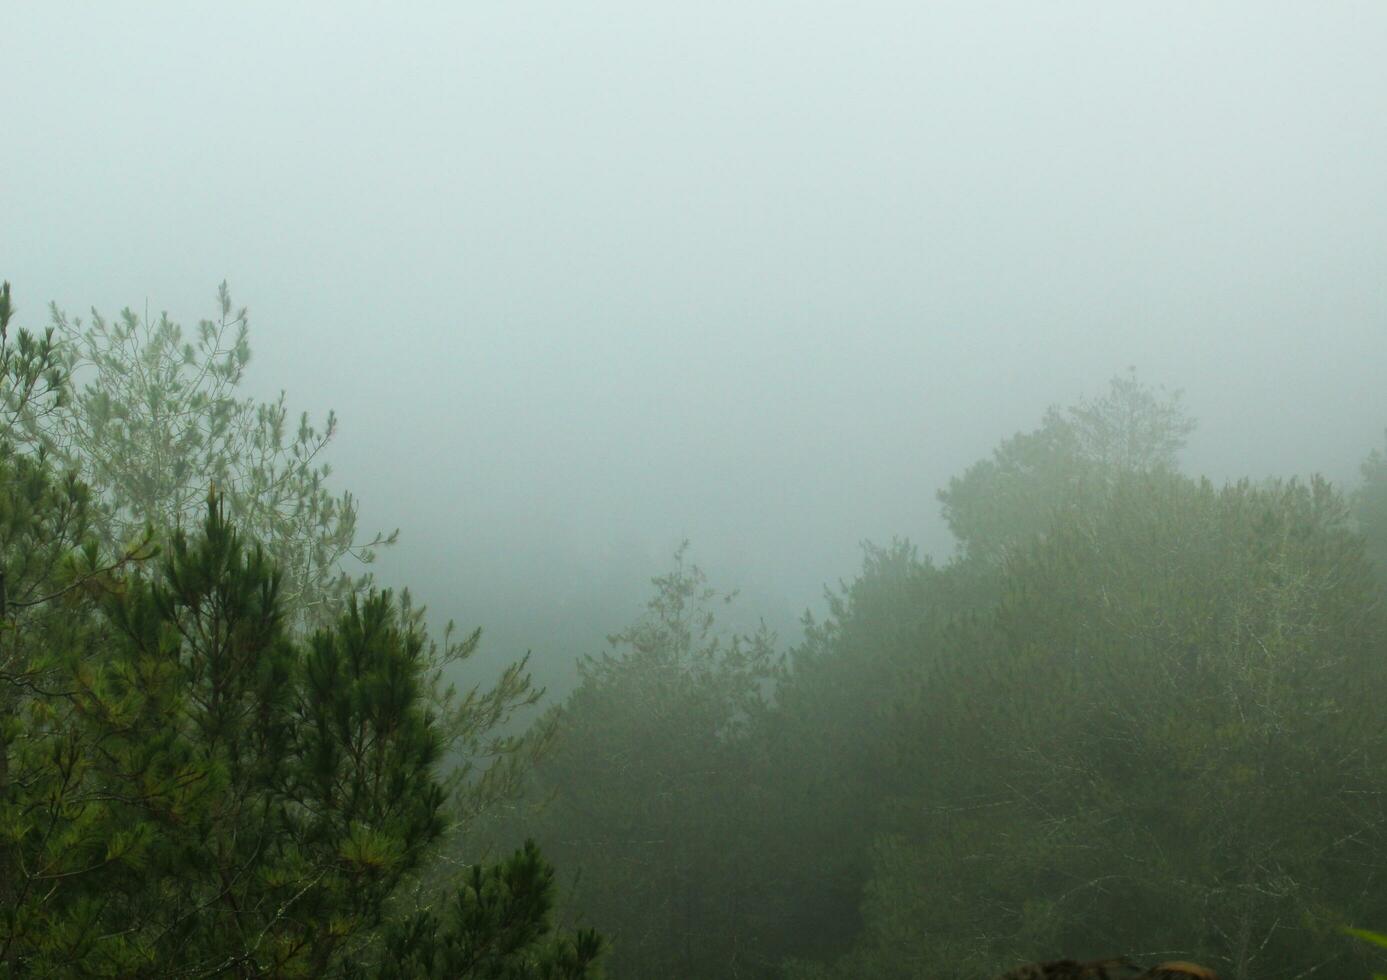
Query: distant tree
pixel 999 504
pixel 1131 429
pixel 830 735
pixel 1167 737
pixel 651 794
pixel 825 749
pixel 1370 510
pixel 156 423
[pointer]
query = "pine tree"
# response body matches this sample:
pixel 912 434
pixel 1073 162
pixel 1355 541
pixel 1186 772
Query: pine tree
pixel 188 788
pixel 155 422
pixel 213 798
pixel 152 420
pixel 50 577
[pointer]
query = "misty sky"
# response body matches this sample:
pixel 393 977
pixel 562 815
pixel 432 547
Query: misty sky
pixel 582 279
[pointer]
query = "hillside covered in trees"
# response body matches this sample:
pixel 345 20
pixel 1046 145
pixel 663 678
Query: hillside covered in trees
pixel 1134 713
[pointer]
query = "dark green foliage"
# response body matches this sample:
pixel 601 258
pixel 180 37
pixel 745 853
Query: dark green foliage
pixel 212 798
pixel 495 926
pixel 33 375
pixel 156 422
pixel 50 580
pixel 198 815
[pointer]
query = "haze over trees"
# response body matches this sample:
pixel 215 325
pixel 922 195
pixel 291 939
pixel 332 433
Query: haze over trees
pixel 722 490
pixel 1134 713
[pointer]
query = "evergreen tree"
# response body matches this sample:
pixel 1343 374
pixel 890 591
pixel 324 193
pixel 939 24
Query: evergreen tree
pixel 33 382
pixel 495 926
pixel 156 422
pixel 187 788
pixel 212 798
pixel 203 817
pixel 50 576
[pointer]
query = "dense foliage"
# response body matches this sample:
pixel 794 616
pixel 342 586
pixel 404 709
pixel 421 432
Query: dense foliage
pixel 668 710
pixel 1135 713
pixel 188 787
pixel 151 420
pixel 1164 737
pixel 154 422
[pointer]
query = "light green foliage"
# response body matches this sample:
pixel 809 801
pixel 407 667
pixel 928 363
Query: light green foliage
pixel 1000 503
pixel 156 422
pixel 1375 938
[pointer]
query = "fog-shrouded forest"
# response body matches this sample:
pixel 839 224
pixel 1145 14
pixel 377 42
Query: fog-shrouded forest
pixel 745 491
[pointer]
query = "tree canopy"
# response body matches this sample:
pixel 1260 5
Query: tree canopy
pixel 191 787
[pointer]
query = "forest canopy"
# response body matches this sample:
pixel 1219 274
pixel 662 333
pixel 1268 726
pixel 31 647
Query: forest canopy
pixel 1135 713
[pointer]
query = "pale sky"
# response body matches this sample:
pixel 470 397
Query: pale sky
pixel 584 279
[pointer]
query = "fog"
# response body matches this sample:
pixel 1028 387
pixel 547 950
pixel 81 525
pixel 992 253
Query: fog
pixel 583 280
